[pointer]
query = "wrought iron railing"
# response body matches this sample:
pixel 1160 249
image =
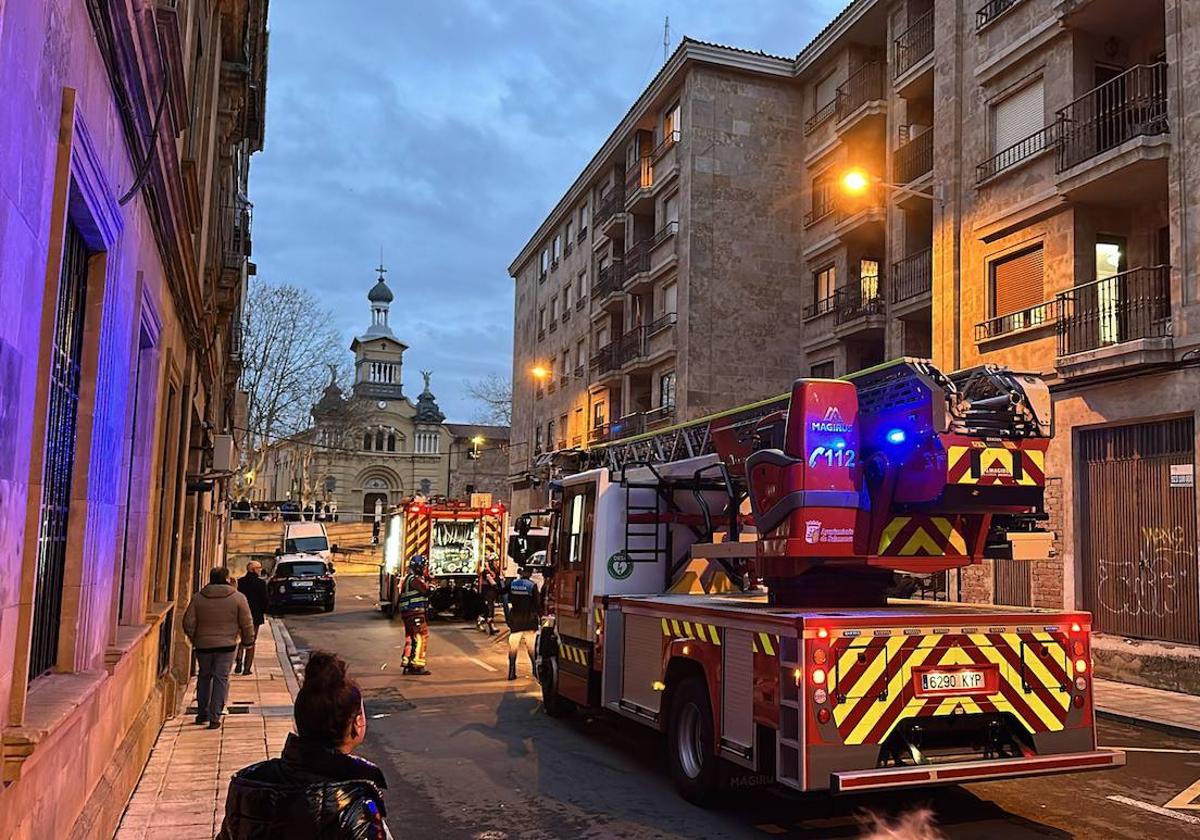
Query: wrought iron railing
pixel 864 85
pixel 661 323
pixel 608 357
pixel 914 158
pixel 992 10
pixel 1034 316
pixel 668 142
pixel 912 276
pixel 640 176
pixel 914 43
pixel 1128 306
pixel 824 202
pixel 820 115
pixel 609 204
pixel 1036 143
pixel 854 302
pixel 1133 104
pixel 609 279
pixel 821 306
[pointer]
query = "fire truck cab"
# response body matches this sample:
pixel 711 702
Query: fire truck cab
pixel 726 582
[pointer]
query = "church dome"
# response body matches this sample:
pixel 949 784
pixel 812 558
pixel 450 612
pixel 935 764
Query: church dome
pixel 380 293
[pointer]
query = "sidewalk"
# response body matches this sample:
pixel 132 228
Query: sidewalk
pixel 1167 710
pixel 181 795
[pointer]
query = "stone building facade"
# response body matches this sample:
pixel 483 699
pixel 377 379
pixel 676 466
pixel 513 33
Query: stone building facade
pixel 1029 203
pixel 125 144
pixel 372 447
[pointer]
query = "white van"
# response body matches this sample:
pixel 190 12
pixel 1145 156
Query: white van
pixel 307 538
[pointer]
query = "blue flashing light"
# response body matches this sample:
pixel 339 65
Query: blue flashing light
pixel 896 436
pixel 839 444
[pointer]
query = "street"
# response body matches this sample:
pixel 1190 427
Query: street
pixel 467 753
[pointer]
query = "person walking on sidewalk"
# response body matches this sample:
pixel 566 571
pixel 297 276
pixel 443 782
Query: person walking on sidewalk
pixel 318 788
pixel 215 619
pixel 414 609
pixel 254 588
pixel 522 611
pixel 491 585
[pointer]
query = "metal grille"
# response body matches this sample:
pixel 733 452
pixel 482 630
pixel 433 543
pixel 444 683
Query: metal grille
pixel 1133 104
pixel 1012 583
pixel 61 416
pixel 1138 527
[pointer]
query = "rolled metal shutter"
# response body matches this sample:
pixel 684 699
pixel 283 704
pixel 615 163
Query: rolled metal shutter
pixel 1017 282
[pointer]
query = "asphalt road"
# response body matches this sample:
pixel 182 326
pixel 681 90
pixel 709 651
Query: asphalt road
pixel 468 754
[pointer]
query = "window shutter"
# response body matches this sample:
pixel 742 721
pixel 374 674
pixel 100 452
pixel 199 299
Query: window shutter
pixel 826 90
pixel 1017 282
pixel 1018 116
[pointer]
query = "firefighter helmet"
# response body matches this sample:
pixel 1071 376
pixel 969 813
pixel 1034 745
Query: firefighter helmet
pixel 418 563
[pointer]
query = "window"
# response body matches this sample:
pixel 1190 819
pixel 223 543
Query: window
pixel 537 437
pixel 545 264
pixel 822 370
pixel 868 280
pixel 666 390
pixel 566 295
pixel 566 363
pixel 824 92
pixel 581 284
pixel 379 440
pixel 550 434
pixel 583 220
pixel 567 232
pixel 602 336
pixel 62 420
pixel 1017 282
pixel 597 414
pixel 580 352
pixel 427 442
pixel 554 308
pixel 367 441
pixel 391 442
pixel 670 298
pixel 562 430
pixel 671 209
pixel 824 282
pixel 670 126
pixel 557 249
pixel 578 504
pixel 1110 261
pixel 1018 116
pixel 541 320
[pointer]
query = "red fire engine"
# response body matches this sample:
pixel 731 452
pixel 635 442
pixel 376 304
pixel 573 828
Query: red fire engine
pixel 770 538
pixel 454 537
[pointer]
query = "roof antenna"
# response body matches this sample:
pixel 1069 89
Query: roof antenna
pixel 666 37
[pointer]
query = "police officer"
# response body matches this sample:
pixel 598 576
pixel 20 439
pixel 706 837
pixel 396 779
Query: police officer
pixel 491 585
pixel 414 609
pixel 522 610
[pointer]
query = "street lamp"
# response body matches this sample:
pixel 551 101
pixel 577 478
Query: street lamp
pixel 476 443
pixel 856 181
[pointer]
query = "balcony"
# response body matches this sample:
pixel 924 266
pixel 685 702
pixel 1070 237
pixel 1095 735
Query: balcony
pixel 823 306
pixel 646 260
pixel 610 210
pixel 914 159
pixel 1033 317
pixel 609 281
pixel 861 217
pixel 566 315
pixel 1118 321
pixel 912 277
pixel 657 342
pixel 860 304
pixel 639 183
pixel 1132 105
pixel 1042 140
pixel 861 96
pixel 665 160
pixel 553 324
pixel 641 422
pixel 913 44
pixel 820 116
pixel 824 203
pixel 580 370
pixel 607 362
pixel 992 10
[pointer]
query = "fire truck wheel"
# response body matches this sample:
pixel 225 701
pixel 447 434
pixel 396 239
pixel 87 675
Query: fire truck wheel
pixel 690 743
pixel 554 703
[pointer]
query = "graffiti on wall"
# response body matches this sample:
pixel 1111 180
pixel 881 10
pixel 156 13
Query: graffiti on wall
pixel 1151 583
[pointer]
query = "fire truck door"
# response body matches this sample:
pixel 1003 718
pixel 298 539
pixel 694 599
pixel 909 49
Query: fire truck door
pixel 572 595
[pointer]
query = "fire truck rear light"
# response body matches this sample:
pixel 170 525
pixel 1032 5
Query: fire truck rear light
pixel 1078 701
pixel 818 676
pixel 797 676
pixel 658 685
pixel 1080 666
pixel 1075 628
pixel 1081 683
pixel 1077 647
pixel 819 656
pixel 822 716
pixel 822 633
pixel 819 696
pixel 686 650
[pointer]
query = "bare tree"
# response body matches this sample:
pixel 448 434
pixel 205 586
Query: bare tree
pixel 289 344
pixel 494 395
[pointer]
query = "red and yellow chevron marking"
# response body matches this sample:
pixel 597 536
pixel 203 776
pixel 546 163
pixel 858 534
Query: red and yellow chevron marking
pixel 493 535
pixel 928 536
pixel 416 536
pixel 997 465
pixel 875 676
pixel 677 629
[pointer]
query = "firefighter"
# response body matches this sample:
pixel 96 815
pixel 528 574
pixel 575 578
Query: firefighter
pixel 522 611
pixel 491 585
pixel 414 609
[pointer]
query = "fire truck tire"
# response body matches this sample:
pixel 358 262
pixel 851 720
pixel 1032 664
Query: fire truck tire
pixel 694 765
pixel 554 703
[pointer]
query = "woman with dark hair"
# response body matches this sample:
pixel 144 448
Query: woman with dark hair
pixel 317 789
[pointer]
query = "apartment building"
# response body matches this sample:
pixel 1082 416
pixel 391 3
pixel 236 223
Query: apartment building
pixel 1026 197
pixel 125 144
pixel 662 286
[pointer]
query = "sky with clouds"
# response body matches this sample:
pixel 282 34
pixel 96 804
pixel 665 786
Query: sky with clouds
pixel 443 132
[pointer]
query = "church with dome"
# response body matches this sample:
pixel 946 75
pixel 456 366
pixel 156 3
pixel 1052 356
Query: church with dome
pixel 371 446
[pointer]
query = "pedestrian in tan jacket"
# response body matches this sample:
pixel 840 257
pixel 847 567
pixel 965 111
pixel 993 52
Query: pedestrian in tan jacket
pixel 216 619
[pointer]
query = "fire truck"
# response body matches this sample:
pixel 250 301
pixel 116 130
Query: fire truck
pixel 727 581
pixel 455 536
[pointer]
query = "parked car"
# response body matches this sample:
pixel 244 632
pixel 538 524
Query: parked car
pixel 301 580
pixel 307 538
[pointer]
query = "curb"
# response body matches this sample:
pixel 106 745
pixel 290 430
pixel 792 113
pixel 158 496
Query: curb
pixel 1170 727
pixel 289 658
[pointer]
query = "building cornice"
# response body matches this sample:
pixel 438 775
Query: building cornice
pixel 818 48
pixel 688 52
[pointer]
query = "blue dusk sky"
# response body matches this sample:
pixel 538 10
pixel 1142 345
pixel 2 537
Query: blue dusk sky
pixel 443 132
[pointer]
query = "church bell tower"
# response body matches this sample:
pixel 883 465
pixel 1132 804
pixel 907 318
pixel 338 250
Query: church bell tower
pixel 378 354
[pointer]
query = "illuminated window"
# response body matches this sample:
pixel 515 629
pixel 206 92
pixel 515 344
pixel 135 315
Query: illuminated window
pixel 666 390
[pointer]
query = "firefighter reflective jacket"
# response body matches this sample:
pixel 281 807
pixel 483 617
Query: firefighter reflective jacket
pixel 523 609
pixel 414 594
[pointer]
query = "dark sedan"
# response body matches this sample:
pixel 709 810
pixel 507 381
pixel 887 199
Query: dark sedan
pixel 306 582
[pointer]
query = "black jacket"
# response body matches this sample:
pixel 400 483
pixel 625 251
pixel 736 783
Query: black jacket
pixel 310 793
pixel 255 590
pixel 522 605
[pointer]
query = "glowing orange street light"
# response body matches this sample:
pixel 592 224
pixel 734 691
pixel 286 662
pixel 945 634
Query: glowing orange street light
pixel 539 372
pixel 855 181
